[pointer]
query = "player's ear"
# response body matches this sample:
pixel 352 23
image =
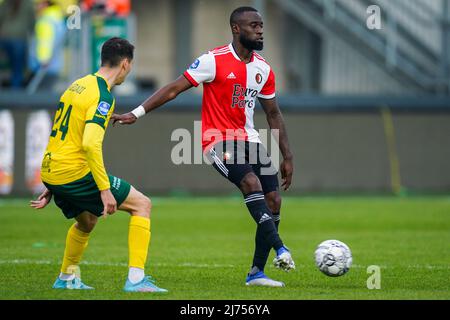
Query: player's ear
pixel 129 63
pixel 235 28
pixel 124 64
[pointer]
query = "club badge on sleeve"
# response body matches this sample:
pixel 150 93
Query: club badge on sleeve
pixel 103 108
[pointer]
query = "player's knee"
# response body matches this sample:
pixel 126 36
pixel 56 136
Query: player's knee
pixel 250 183
pixel 145 206
pixel 91 225
pixel 273 200
pixel 87 225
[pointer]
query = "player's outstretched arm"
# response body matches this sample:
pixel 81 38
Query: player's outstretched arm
pixel 276 121
pixel 42 201
pixel 160 97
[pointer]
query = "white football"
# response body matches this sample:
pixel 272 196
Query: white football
pixel 333 258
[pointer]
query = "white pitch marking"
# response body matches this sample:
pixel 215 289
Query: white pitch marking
pixel 202 265
pixel 119 264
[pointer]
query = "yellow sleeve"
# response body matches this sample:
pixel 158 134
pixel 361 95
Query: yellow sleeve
pixel 92 146
pixel 96 122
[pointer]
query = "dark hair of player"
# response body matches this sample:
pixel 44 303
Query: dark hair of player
pixel 115 50
pixel 234 17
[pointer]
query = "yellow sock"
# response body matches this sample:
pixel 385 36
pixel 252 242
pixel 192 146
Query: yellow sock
pixel 138 241
pixel 76 242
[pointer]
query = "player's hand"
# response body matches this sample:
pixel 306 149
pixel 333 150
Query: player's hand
pixel 126 118
pixel 109 202
pixel 287 169
pixel 42 201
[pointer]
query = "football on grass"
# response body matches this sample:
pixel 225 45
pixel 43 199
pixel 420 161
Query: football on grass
pixel 333 258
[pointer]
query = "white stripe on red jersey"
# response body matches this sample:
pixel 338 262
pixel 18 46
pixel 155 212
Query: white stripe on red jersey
pixel 230 89
pixel 224 48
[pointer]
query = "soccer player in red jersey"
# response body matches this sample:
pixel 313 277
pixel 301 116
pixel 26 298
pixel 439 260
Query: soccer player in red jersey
pixel 233 76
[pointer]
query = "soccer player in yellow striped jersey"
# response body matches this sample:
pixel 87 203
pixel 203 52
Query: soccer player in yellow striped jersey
pixel 74 174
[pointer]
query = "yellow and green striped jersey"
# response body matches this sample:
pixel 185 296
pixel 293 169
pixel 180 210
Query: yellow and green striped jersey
pixel 75 143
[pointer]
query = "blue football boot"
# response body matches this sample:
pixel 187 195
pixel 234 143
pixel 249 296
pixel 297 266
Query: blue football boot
pixel 260 279
pixel 146 285
pixel 74 284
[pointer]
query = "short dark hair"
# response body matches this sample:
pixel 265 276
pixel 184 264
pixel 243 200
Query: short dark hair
pixel 234 17
pixel 115 50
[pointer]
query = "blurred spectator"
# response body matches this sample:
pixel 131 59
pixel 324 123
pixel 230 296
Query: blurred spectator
pixel 64 4
pixel 46 55
pixel 119 8
pixel 16 24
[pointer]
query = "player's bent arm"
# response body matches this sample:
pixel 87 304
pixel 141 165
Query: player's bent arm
pixel 92 146
pixel 276 121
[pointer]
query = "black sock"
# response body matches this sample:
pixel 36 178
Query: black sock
pixel 266 233
pixel 261 256
pixel 262 250
pixel 276 219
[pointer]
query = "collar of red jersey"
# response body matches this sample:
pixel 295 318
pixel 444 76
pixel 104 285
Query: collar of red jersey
pixel 230 46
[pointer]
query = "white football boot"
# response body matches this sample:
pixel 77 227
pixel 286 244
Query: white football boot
pixel 284 260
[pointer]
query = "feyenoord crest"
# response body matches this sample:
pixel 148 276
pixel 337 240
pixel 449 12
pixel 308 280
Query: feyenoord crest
pixel 258 78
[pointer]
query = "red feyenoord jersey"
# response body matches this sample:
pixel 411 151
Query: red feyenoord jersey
pixel 230 88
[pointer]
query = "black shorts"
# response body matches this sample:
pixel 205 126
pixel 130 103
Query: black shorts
pixel 235 159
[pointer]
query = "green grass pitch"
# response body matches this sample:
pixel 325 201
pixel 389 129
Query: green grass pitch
pixel 202 248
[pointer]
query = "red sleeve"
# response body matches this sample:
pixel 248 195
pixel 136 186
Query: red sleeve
pixel 268 90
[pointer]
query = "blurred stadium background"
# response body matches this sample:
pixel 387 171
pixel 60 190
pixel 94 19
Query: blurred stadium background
pixel 367 110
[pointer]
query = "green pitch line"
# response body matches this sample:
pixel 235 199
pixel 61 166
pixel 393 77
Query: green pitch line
pixel 197 242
